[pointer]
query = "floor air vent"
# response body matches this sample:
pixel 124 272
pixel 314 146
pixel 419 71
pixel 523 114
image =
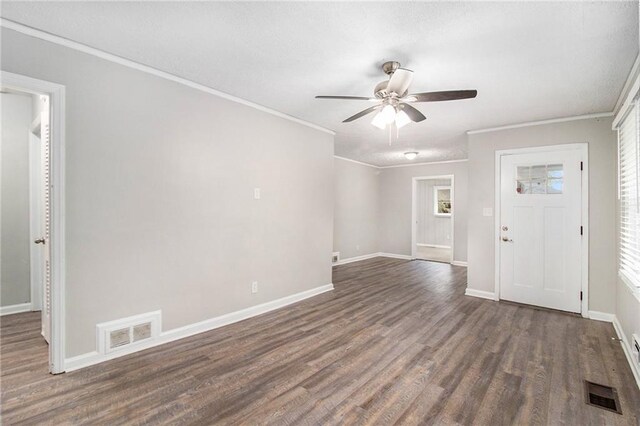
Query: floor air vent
pixel 602 396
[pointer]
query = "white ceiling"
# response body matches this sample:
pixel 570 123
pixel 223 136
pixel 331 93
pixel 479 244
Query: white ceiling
pixel 528 61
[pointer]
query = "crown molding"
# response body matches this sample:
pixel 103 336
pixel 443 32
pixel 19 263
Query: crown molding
pixel 43 35
pixel 355 161
pixel 538 123
pixel 400 165
pixel 627 84
pixel 427 163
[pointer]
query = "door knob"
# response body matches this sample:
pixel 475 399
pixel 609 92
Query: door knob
pixel 507 240
pixel 39 241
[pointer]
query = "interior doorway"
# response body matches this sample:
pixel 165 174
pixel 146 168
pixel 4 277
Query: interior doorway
pixel 433 218
pixel 32 214
pixel 24 208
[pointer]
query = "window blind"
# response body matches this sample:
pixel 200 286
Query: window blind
pixel 629 189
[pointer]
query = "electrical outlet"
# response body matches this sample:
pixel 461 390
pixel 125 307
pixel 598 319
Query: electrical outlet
pixel 256 193
pixel 358 247
pixel 254 287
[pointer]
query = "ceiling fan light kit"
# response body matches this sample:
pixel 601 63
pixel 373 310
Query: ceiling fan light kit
pixel 393 100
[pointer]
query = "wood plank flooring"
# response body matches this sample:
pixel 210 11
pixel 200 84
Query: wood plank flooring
pixel 396 342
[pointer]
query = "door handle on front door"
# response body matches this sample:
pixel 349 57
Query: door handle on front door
pixel 507 240
pixel 39 241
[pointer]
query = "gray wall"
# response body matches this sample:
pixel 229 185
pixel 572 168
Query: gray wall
pixel 160 208
pixel 431 229
pixel 395 206
pixel 355 217
pixel 15 286
pixel 602 199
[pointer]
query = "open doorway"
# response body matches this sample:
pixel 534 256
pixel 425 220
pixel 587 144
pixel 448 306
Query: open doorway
pixel 32 222
pixel 24 216
pixel 433 217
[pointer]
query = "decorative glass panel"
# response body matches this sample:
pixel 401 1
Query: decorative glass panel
pixel 540 179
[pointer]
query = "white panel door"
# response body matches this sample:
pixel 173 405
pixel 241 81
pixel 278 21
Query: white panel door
pixel 540 220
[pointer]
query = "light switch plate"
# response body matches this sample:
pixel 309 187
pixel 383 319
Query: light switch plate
pixel 256 193
pixel 487 211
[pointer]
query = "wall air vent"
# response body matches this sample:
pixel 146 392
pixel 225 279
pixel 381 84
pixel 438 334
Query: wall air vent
pixel 128 332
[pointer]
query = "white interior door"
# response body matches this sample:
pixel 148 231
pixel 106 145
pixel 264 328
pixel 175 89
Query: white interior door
pixel 46 215
pixel 540 238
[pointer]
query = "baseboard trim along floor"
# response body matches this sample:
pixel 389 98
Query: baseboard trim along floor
pixel 92 358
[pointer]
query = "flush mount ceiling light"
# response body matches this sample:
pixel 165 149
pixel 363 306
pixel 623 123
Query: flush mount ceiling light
pixel 411 155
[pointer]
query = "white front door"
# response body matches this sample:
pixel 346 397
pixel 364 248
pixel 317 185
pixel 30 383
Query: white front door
pixel 540 229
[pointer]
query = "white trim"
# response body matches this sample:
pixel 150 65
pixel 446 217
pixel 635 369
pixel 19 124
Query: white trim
pixel 396 256
pixel 634 290
pixel 432 245
pixel 356 259
pixel 424 164
pixel 628 103
pixel 36 265
pixel 33 32
pixel 402 165
pixel 355 161
pixel 414 211
pixel 459 263
pixel 626 348
pixel 91 358
pixel 540 122
pixel 601 316
pixel 15 309
pixel 56 93
pixel 627 84
pixel 479 293
pixel 584 147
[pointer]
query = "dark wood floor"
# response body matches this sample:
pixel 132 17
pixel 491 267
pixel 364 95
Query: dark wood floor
pixel 396 342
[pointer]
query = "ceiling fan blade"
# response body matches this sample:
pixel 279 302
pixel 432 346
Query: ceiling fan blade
pixel 448 95
pixel 362 113
pixel 415 115
pixel 349 98
pixel 400 81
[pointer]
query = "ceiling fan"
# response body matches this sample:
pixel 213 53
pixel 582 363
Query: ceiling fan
pixel 393 100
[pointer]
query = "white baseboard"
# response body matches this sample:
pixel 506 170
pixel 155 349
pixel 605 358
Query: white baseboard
pixel 371 256
pixel 626 347
pixel 15 309
pixel 624 342
pixel 91 358
pixel 459 263
pixel 356 259
pixel 480 293
pixel 601 316
pixel 432 245
pixel 396 256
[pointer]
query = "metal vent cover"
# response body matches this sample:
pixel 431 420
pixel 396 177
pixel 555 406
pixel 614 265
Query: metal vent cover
pixel 602 396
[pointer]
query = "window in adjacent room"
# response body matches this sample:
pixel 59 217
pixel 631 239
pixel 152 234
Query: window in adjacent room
pixel 442 200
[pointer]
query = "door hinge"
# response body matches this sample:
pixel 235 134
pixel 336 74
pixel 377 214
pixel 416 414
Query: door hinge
pixel 580 295
pixel 581 166
pixel 580 230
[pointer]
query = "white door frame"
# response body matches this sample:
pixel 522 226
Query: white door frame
pixel 584 149
pixel 414 210
pixel 35 218
pixel 56 93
